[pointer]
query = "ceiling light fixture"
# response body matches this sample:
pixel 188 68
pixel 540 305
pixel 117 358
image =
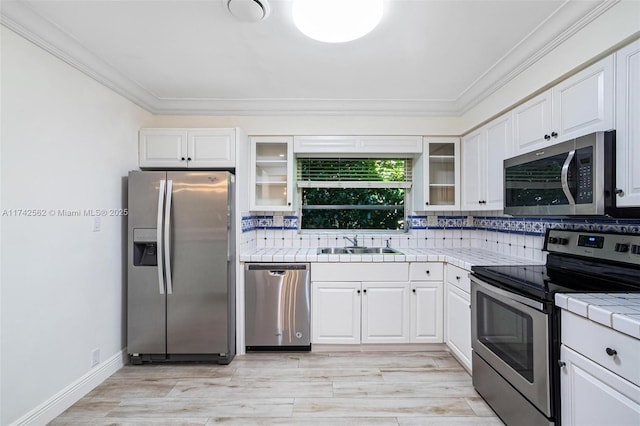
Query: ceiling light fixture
pixel 336 21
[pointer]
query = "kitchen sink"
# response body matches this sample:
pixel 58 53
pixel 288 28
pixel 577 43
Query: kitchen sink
pixel 357 250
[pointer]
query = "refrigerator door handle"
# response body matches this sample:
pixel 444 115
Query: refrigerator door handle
pixel 159 250
pixel 167 236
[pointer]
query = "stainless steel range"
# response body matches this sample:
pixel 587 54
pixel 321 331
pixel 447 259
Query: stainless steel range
pixel 515 327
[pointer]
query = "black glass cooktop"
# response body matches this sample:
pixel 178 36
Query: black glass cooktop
pixel 561 275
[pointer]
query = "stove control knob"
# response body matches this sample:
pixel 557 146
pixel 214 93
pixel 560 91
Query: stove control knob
pixel 635 249
pixel 553 240
pixel 622 247
pixel 563 241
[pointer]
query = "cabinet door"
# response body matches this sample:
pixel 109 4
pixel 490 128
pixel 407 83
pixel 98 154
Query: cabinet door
pixel 473 170
pixel 458 324
pixel 531 123
pixel 498 141
pixel 426 312
pixel 271 174
pixel 628 125
pixel 335 309
pixel 437 175
pixel 592 395
pixel 583 103
pixel 162 148
pixel 211 148
pixel 385 313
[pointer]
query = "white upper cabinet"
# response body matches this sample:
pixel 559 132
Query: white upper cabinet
pixel 436 175
pixel 473 146
pixel 581 104
pixel 162 148
pixel 271 177
pixel 211 148
pixel 628 125
pixel 358 144
pixel 532 124
pixel 187 148
pixel 483 152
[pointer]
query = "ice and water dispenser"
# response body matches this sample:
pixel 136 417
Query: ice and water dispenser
pixel 145 247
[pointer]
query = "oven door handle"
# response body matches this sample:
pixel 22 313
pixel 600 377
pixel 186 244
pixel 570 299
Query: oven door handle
pixel 508 295
pixel 564 177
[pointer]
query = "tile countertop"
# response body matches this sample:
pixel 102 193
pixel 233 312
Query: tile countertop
pixel 619 311
pixel 463 257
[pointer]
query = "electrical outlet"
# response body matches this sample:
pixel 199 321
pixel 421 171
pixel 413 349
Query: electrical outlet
pixel 278 220
pixel 96 224
pixel 432 220
pixel 95 357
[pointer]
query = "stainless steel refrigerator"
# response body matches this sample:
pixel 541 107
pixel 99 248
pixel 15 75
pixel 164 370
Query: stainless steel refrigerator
pixel 181 273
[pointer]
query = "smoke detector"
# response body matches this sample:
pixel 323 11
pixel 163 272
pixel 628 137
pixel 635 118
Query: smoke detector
pixel 248 10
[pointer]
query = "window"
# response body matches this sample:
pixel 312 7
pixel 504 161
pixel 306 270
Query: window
pixel 353 193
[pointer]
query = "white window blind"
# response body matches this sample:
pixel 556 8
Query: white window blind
pixel 354 172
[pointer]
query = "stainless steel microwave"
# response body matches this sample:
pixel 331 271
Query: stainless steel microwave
pixel 576 177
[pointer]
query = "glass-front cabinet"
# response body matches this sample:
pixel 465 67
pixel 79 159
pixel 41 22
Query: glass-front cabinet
pixel 437 175
pixel 271 173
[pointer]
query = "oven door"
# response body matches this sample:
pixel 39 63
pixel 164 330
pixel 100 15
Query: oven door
pixel 511 333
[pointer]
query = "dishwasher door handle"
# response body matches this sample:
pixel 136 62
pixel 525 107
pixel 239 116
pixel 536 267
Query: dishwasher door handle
pixel 277 273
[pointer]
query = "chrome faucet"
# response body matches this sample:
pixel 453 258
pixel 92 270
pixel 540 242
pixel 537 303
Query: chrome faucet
pixel 353 241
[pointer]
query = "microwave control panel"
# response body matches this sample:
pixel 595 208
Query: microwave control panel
pixel 584 161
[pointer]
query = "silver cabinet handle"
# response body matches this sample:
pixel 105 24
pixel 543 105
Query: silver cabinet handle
pixel 159 250
pixel 564 176
pixel 167 235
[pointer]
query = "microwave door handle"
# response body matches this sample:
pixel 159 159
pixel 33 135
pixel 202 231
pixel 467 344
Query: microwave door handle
pixel 564 177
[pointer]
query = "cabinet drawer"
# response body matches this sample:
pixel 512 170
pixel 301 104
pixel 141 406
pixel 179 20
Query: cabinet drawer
pixel 459 277
pixel 432 271
pixel 592 340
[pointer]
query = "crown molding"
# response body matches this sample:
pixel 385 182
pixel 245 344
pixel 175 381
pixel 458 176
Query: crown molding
pixel 568 19
pixel 23 20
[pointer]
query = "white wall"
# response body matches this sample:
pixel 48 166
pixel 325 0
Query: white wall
pixel 616 25
pixel 67 143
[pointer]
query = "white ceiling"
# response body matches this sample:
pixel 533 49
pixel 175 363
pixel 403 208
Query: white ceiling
pixel 427 57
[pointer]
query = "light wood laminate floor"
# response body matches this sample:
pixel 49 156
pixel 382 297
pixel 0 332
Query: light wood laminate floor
pixel 338 388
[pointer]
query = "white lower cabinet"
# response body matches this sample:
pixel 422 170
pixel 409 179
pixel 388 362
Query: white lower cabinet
pixel 427 302
pixel 426 312
pixel 592 395
pixel 600 376
pixel 457 314
pixel 396 310
pixel 385 313
pixel 354 313
pixel 335 312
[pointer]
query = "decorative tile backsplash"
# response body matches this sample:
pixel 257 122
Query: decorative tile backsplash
pixel 251 223
pixel 535 226
pixel 514 236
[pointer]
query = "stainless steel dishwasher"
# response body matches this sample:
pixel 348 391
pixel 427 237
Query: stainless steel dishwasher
pixel 277 306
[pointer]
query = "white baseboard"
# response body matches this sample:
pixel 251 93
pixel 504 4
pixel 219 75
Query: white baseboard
pixel 395 347
pixel 58 403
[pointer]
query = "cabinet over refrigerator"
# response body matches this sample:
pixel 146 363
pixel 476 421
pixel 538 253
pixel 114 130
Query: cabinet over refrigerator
pixel 181 279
